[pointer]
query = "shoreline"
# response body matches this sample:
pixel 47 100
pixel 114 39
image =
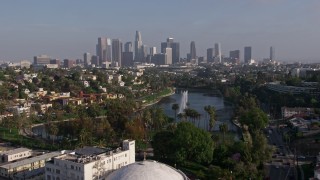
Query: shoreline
pixel 158 99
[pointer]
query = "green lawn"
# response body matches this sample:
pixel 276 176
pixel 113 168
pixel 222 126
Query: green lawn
pixel 155 96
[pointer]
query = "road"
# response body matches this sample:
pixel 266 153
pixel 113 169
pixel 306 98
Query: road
pixel 282 165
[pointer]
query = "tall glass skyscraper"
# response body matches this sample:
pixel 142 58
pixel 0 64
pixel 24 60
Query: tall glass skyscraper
pixel 103 50
pixel 247 54
pixel 138 48
pixel 217 51
pixel 193 53
pixel 272 55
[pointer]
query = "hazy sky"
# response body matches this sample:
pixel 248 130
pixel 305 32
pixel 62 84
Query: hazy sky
pixel 68 28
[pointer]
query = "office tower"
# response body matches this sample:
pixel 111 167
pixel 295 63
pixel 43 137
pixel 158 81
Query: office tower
pixel 202 60
pixel 210 56
pixel 159 59
pixel 193 54
pixel 87 59
pixel 272 55
pixel 128 47
pixel 127 59
pixel 55 61
pixel 235 56
pixel 116 52
pixel 41 60
pixel 103 50
pixel 68 63
pixel 217 52
pixel 144 53
pixel 153 51
pixel 138 51
pixel 247 54
pixel 175 46
pixel 168 53
pixel 95 61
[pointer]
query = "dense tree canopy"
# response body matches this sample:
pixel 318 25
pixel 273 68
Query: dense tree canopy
pixel 255 118
pixel 185 143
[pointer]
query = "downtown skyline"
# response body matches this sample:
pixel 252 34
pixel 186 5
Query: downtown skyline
pixel 68 29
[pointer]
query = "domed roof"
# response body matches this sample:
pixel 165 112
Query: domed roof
pixel 147 170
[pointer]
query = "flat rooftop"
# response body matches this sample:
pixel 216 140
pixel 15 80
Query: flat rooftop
pixel 81 159
pixel 30 160
pixel 88 151
pixel 15 151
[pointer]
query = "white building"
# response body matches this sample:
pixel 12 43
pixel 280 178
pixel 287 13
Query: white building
pixel 11 169
pixel 90 162
pixel 15 154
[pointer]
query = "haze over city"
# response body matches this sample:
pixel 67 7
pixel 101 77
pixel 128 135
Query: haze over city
pixel 67 29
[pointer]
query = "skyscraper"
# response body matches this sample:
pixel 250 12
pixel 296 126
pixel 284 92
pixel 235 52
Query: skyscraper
pixel 138 49
pixel 116 52
pixel 103 49
pixel 175 46
pixel 145 51
pixel 87 59
pixel 217 51
pixel 235 56
pixel 272 55
pixel 153 51
pixel 210 56
pixel 168 53
pixel 247 54
pixel 128 47
pixel 193 54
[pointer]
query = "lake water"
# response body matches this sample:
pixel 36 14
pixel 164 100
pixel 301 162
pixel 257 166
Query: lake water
pixel 197 100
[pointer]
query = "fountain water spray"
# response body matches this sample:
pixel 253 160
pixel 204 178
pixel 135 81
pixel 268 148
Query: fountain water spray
pixel 184 101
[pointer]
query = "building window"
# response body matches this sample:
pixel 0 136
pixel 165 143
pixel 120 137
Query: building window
pixel 72 167
pixel 58 171
pixel 48 177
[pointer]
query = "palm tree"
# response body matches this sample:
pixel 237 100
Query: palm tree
pixel 223 128
pixel 212 114
pixel 175 107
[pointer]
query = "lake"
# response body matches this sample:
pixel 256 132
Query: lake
pixel 197 99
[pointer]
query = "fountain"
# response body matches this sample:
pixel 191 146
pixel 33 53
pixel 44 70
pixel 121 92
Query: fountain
pixel 183 102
